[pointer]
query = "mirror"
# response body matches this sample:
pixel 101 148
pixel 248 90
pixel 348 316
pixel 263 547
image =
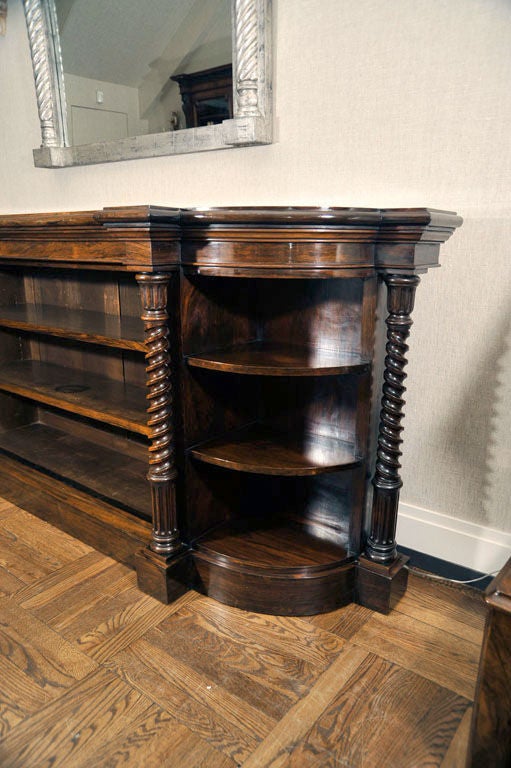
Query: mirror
pixel 118 81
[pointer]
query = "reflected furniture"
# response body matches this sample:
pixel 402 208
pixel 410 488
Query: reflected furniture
pixel 191 392
pixel 206 95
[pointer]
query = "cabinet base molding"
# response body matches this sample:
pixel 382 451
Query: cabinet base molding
pixel 300 594
pixel 379 587
pixel 110 530
pixel 164 577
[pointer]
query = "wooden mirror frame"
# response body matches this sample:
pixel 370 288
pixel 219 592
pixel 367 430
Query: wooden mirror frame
pixel 252 95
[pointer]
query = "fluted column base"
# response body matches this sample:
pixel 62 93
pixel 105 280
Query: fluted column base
pixel 380 586
pixel 165 578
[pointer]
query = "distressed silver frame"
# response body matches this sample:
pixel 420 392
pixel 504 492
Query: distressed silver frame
pixel 252 102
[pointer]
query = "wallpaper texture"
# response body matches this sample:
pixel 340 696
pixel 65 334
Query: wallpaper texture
pixel 380 104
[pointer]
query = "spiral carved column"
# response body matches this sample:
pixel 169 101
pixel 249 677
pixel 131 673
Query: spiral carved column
pixel 381 543
pixel 162 473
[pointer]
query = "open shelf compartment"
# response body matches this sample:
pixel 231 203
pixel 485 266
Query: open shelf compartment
pixel 84 464
pixel 94 307
pixel 280 567
pixel 79 325
pixel 278 546
pixel 79 392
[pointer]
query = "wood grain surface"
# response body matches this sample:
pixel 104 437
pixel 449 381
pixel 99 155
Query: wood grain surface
pixel 93 672
pixel 269 377
pixel 266 451
pixel 84 464
pixel 272 359
pixel 86 394
pixel 80 325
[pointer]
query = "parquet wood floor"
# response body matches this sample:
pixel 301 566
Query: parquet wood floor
pixel 94 673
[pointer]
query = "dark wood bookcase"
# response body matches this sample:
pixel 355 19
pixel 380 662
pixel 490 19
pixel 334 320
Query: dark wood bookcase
pixel 191 391
pixel 206 95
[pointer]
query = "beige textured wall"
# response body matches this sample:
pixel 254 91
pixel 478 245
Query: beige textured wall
pixel 378 103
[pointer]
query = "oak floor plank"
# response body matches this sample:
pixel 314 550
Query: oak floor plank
pixel 300 718
pixel 145 736
pixel 7 508
pixel 24 562
pixel 265 678
pixel 222 719
pixel 351 733
pixel 443 658
pixel 33 647
pixel 343 622
pixel 20 692
pixel 232 707
pixel 66 730
pixel 78 618
pixel 38 534
pixel 107 641
pixel 36 665
pixel 10 715
pixel 124 619
pixel 154 740
pixel 284 633
pixel 9 584
pixel 423 602
pixel 78 603
pixel 45 591
pixel 88 590
pixel 462 602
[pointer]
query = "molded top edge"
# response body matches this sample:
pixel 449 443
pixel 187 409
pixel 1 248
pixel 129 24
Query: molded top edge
pixel 422 216
pixel 281 215
pixel 126 215
pixel 317 215
pixel 146 215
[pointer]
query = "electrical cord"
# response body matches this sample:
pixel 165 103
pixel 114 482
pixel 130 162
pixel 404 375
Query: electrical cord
pixel 446 578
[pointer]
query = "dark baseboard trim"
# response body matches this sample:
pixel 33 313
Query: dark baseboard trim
pixel 445 569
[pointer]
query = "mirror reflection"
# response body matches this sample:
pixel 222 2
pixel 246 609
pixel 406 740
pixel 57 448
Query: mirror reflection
pixel 133 68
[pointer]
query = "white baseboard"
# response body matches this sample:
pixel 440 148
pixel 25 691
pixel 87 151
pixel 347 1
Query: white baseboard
pixel 448 538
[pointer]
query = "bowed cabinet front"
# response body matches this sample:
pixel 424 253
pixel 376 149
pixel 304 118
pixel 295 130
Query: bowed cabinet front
pixel 191 391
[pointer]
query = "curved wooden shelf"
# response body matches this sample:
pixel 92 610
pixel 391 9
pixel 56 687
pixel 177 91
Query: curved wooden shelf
pixel 85 394
pixel 277 568
pixel 270 359
pixel 77 325
pixel 261 450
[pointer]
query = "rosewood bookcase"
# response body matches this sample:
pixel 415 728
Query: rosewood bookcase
pixel 191 391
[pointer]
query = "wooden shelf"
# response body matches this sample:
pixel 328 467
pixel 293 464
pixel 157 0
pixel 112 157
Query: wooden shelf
pixel 86 394
pixel 277 567
pixel 261 450
pixel 79 325
pixel 271 359
pixel 260 545
pixel 83 464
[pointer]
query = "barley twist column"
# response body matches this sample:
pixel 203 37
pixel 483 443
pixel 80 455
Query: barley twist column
pixel 381 543
pixel 162 473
